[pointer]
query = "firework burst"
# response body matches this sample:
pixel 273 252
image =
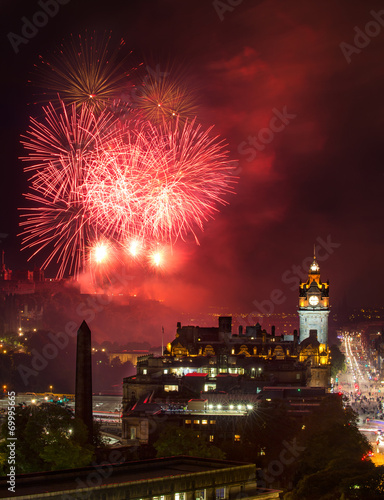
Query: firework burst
pixel 191 178
pixel 85 71
pixel 161 97
pixel 57 222
pixel 158 185
pixel 147 185
pixel 57 149
pixel 104 188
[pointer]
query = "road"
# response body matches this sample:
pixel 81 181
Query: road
pixel 99 404
pixel 364 391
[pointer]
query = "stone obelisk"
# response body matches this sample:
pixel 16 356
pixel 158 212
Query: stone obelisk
pixel 83 391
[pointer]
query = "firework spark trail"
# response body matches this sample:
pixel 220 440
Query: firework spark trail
pixel 65 136
pixel 58 223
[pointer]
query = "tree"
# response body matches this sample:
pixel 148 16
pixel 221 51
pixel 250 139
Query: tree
pixel 337 361
pixel 333 453
pixel 175 441
pixel 49 437
pixel 344 479
pixel 262 432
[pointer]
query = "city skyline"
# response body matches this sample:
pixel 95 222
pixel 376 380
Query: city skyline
pixel 295 93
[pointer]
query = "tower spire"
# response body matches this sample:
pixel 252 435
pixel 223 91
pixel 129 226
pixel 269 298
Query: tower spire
pixel 314 269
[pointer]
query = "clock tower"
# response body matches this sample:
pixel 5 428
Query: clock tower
pixel 314 305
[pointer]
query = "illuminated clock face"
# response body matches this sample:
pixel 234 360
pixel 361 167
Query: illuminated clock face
pixel 313 300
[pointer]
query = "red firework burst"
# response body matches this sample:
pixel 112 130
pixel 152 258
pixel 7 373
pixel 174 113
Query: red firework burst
pixel 57 149
pixel 158 184
pixel 145 184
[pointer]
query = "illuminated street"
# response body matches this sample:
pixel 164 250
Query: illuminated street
pixel 361 385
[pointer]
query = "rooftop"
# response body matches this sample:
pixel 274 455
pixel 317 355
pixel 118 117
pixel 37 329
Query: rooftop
pixel 139 476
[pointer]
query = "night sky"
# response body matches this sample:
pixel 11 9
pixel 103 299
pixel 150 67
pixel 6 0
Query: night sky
pixel 295 88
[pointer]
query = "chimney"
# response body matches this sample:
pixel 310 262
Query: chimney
pixel 295 337
pixel 225 324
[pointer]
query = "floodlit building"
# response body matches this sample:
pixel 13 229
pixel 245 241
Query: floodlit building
pixel 214 362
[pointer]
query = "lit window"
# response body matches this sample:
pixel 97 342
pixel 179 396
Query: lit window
pixel 220 493
pixel 179 496
pixel 204 422
pixel 188 422
pixel 209 387
pixel 212 422
pixel 237 437
pixel 200 495
pixel 169 388
pixel 145 371
pixel 196 421
pixel 211 438
pixel 133 433
pixel 165 371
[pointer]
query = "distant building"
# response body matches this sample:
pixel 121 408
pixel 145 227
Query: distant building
pixel 19 281
pixel 19 311
pixel 5 274
pixel 127 355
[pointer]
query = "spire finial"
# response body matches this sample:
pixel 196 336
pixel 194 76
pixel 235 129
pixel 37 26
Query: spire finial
pixel 314 251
